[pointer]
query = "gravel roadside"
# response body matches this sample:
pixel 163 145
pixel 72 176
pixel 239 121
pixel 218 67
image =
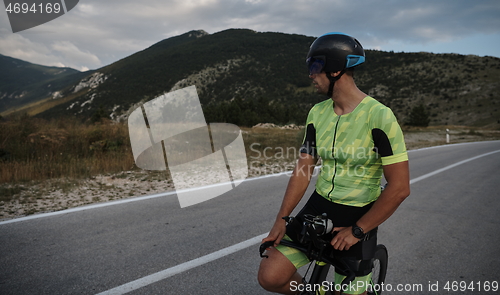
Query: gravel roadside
pixel 60 194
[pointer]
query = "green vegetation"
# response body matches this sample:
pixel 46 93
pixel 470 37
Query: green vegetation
pixel 244 77
pixel 232 70
pixel 33 149
pixel 37 149
pixel 23 82
pixel 55 164
pixel 251 112
pixel 419 117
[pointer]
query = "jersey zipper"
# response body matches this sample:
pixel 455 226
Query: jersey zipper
pixel 333 155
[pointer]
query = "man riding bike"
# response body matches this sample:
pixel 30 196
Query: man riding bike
pixel 358 139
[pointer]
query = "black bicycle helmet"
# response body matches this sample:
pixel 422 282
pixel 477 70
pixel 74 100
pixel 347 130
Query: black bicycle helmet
pixel 334 52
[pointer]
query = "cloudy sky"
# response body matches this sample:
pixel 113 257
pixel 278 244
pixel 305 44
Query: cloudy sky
pixel 99 32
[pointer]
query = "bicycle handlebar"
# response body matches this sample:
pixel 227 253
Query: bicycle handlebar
pixel 312 244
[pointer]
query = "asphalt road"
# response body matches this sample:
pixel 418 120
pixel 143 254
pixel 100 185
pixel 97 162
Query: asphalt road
pixel 447 230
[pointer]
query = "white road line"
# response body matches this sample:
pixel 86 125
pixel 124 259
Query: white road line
pixel 153 278
pixel 124 201
pixel 129 200
pixel 82 208
pixel 450 166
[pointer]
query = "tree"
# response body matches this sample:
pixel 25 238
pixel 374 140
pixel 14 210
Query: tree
pixel 100 114
pixel 419 116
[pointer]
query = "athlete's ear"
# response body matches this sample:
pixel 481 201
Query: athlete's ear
pixel 335 74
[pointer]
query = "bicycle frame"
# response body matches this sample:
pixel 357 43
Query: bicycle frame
pixel 312 244
pixel 315 250
pixel 320 271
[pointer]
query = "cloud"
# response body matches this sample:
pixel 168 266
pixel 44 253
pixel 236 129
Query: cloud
pixel 59 53
pixel 70 52
pixel 17 46
pixel 433 21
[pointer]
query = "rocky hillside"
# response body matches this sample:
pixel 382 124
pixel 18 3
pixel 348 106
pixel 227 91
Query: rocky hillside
pixel 246 77
pixel 22 82
pixel 455 89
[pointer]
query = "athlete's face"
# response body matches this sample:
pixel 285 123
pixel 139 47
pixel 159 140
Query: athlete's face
pixel 320 82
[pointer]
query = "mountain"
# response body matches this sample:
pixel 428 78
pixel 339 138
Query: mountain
pixel 246 77
pixel 22 82
pixel 455 89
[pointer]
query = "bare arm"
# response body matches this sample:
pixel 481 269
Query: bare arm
pixel 297 185
pixel 398 177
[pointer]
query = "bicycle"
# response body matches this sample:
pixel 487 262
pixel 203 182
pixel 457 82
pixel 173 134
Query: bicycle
pixel 317 250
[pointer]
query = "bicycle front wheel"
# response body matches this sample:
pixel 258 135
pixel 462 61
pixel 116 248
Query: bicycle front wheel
pixel 379 270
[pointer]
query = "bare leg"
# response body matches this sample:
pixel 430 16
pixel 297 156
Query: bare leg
pixel 277 272
pixel 338 293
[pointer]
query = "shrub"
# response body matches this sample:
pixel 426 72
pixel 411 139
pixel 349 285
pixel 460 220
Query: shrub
pixel 419 116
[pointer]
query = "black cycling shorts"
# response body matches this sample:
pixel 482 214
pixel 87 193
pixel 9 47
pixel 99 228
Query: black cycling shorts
pixel 360 254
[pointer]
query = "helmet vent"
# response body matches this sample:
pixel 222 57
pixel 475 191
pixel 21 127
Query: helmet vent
pixel 354 60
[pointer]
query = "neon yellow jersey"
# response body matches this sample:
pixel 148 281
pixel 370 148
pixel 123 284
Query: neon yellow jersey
pixel 353 147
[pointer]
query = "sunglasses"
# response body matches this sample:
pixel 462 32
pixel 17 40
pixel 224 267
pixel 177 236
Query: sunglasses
pixel 316 64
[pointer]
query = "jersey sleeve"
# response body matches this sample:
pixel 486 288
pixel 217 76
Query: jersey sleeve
pixel 388 138
pixel 309 142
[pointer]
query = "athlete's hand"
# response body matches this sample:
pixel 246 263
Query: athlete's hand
pixel 277 232
pixel 344 239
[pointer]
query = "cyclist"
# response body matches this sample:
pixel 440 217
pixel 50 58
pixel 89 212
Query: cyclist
pixel 358 139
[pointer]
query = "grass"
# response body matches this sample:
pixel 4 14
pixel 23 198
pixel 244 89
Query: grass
pixel 66 152
pixel 39 106
pixel 44 163
pixel 262 143
pixel 36 150
pixel 8 192
pixel 50 165
pixel 271 150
